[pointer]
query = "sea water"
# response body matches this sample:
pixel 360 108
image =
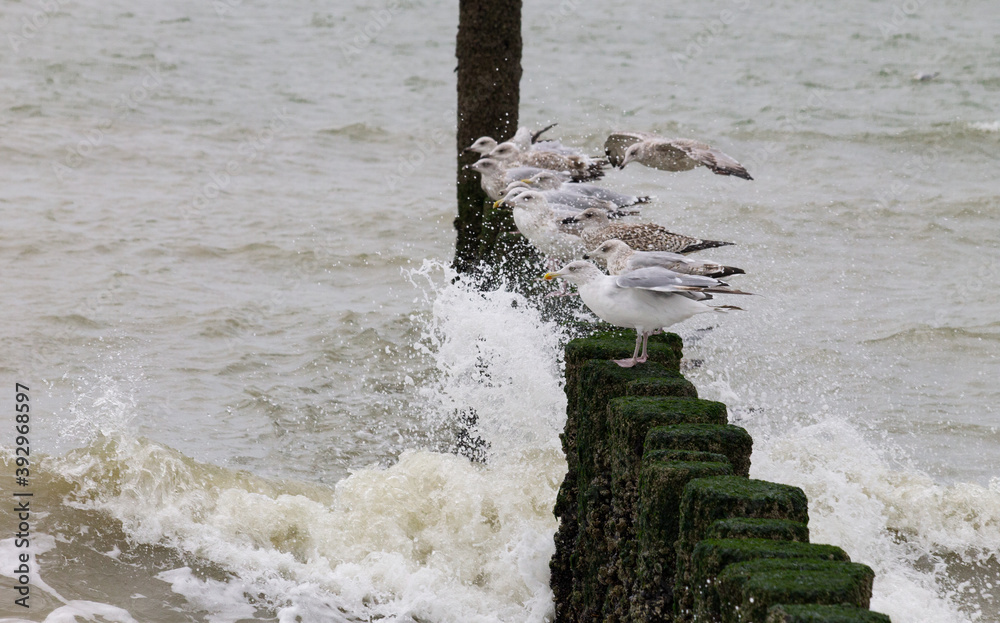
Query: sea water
pixel 226 235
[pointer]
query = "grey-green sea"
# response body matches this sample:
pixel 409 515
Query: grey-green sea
pixel 225 248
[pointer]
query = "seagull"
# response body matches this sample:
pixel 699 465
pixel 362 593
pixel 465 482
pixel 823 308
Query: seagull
pixel 675 154
pixel 543 226
pixel 572 201
pixel 639 236
pixel 582 166
pixel 550 181
pixel 524 138
pixel 621 258
pixel 645 300
pixel 495 176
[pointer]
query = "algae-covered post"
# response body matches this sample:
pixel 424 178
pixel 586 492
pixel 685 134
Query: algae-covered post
pixel 489 76
pixel 659 520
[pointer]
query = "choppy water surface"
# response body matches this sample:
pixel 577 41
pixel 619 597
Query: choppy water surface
pixel 225 232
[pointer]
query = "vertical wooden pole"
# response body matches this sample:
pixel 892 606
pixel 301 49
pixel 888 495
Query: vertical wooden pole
pixel 489 76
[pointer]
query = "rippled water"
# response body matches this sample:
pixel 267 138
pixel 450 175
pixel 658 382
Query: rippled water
pixel 217 225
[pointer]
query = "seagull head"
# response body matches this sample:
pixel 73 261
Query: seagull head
pixel 632 153
pixel 505 151
pixel 508 200
pixel 483 145
pixel 529 200
pixel 591 217
pixel 578 272
pixel 484 166
pixel 607 250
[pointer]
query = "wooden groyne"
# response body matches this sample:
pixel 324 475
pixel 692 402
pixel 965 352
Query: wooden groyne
pixel 659 520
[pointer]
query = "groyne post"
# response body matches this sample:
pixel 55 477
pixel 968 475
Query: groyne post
pixel 658 518
pixel 488 50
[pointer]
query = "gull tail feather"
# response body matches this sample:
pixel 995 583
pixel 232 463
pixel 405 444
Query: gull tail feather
pixel 534 137
pixel 706 244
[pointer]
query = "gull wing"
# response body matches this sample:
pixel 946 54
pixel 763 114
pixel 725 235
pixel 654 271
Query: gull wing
pixel 662 259
pixel 680 263
pixel 718 162
pixel 665 280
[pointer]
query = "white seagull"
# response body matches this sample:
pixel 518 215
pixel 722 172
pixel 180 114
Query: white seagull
pixel 543 227
pixel 549 182
pixel 645 300
pixel 495 175
pixel 568 202
pixel 524 138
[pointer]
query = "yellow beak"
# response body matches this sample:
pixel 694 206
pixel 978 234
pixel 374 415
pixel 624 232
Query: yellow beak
pixel 549 276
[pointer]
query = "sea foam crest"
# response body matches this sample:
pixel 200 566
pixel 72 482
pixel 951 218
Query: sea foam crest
pixel 932 546
pixel 432 537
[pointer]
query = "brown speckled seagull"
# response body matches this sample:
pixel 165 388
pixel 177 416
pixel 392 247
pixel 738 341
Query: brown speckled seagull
pixel 674 154
pixel 640 236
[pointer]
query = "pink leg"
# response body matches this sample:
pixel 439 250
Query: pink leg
pixel 628 363
pixel 644 356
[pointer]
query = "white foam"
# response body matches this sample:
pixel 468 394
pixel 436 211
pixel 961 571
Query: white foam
pixel 79 609
pixel 864 494
pixel 225 602
pixel 985 126
pixel 72 610
pixel 9 560
pixel 432 537
pixel 494 354
pixel 857 501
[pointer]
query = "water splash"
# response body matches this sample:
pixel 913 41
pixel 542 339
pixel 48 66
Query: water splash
pixel 432 537
pixel 933 547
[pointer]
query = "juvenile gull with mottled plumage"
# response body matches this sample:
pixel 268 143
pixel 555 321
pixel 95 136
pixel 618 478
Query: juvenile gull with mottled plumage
pixel 675 154
pixel 639 236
